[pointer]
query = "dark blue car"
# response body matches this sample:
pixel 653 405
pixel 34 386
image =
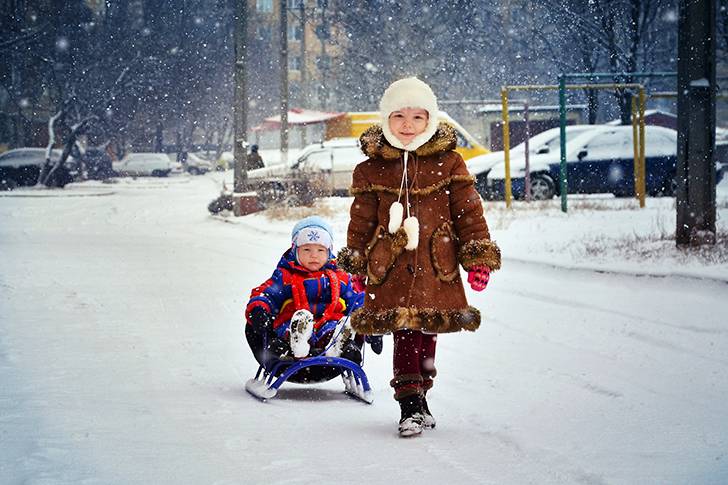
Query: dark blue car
pixel 598 161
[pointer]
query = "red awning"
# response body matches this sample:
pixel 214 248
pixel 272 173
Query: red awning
pixel 298 117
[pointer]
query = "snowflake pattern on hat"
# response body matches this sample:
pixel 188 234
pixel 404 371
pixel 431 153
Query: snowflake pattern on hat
pixel 313 236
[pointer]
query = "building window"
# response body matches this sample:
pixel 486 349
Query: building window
pixel 295 3
pixel 294 63
pixel 323 62
pixel 295 32
pixel 264 33
pixel 264 5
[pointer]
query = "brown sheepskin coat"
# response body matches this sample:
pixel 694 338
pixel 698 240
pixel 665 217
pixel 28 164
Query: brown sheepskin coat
pixel 419 289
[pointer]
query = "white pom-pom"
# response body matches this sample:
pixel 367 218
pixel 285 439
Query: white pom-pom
pixel 412 229
pixel 396 212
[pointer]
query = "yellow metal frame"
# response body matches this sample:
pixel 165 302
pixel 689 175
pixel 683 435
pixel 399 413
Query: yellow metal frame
pixel 638 130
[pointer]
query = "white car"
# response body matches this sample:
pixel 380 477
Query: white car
pixel 333 161
pixel 154 164
pixel 544 142
pixel 195 165
pixel 22 166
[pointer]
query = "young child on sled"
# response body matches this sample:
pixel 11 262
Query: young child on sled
pixel 304 305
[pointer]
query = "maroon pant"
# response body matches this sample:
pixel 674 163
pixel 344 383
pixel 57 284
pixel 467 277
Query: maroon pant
pixel 414 363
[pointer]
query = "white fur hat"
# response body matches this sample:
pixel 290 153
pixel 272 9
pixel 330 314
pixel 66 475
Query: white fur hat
pixel 409 92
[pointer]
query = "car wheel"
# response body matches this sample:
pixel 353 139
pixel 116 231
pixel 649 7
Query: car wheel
pixel 542 187
pixel 481 185
pixel 194 171
pixel 669 187
pixel 8 184
pixel 159 173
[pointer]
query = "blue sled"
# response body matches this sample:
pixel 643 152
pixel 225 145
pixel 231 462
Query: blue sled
pixel 266 383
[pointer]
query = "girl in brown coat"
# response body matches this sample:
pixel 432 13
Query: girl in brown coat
pixel 416 218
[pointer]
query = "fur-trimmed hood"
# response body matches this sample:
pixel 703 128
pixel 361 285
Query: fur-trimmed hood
pixel 375 145
pixel 409 92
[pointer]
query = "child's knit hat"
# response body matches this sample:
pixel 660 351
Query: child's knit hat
pixel 313 230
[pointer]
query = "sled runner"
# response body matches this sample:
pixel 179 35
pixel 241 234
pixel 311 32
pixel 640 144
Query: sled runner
pixel 273 372
pixel 266 382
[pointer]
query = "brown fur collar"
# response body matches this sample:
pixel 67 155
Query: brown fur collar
pixel 375 145
pixel 368 322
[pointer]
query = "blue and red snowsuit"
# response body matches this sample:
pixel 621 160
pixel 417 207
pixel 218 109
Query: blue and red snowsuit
pixel 328 294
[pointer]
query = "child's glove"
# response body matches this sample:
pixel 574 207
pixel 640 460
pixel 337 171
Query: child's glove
pixel 376 342
pixel 261 319
pixel 359 283
pixel 478 277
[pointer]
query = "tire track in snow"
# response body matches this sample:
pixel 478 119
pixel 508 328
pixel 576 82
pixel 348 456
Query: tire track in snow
pixel 642 337
pixel 553 300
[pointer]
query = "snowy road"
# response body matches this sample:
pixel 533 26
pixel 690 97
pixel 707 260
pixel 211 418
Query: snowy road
pixel 122 361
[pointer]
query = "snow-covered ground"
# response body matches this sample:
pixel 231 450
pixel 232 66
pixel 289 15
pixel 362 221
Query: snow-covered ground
pixel 122 358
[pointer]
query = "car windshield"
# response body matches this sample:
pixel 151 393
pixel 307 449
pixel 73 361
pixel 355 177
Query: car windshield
pixel 549 140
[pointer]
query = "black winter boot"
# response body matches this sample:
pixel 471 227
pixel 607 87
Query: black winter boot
pixel 410 423
pixel 428 421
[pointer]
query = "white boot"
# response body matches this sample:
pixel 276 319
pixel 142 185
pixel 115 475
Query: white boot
pixel 340 338
pixel 300 331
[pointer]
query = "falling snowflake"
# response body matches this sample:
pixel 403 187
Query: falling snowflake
pixel 62 44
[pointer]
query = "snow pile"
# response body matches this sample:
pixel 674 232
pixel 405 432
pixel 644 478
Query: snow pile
pixel 600 233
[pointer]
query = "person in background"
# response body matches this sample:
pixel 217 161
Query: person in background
pixel 254 158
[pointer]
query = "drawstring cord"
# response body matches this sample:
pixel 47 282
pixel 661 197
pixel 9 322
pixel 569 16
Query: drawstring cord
pixel 405 184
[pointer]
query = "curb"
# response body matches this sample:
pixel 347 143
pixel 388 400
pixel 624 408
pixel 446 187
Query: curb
pixel 53 194
pixel 623 271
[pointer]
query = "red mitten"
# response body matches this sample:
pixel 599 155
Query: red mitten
pixel 478 277
pixel 359 283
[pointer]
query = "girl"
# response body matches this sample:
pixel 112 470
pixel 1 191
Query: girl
pixel 415 218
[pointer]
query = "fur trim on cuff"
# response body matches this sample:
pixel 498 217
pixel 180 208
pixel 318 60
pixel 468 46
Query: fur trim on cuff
pixel 407 385
pixel 352 261
pixel 431 320
pixel 481 251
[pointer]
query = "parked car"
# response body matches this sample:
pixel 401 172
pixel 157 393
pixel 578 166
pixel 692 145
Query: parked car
pixel 22 166
pixel 600 160
pixel 197 165
pixel 154 164
pixel 544 142
pixel 335 160
pixel 97 163
pixel 331 162
pixel 194 164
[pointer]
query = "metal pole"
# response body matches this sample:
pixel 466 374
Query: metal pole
pixel 622 75
pixel 304 73
pixel 283 6
pixel 527 154
pixel 304 69
pixel 324 63
pixel 506 146
pixel 695 176
pixel 635 145
pixel 240 173
pixel 562 124
pixel 642 172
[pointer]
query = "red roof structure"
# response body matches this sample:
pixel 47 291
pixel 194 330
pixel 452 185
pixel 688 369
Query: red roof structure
pixel 298 117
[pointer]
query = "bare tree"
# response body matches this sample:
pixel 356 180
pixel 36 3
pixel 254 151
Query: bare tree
pixel 619 36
